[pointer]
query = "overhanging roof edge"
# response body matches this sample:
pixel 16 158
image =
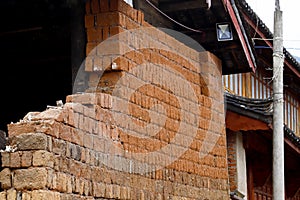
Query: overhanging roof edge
pixel 234 15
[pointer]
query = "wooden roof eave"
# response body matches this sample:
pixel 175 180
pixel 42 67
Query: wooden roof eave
pixel 235 17
pixel 268 43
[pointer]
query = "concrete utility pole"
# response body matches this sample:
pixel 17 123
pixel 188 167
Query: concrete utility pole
pixel 278 132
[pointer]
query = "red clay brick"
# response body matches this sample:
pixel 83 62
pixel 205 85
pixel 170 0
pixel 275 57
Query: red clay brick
pixel 91 48
pixel 114 30
pixel 89 21
pixel 95 7
pixel 94 35
pixel 105 32
pixel 88 7
pixel 113 5
pixel 108 19
pixel 140 17
pixel 104 5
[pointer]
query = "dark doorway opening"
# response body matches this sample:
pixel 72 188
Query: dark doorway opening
pixel 36 51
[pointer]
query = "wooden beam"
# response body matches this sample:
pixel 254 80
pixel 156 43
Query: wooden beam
pixel 292 146
pixel 236 122
pixel 242 37
pixel 182 5
pixel 250 182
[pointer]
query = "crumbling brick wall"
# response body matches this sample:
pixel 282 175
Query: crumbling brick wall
pixel 65 152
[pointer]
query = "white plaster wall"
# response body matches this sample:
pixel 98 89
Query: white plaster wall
pixel 241 165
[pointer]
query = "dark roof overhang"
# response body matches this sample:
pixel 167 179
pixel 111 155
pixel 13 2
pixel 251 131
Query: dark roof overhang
pixel 260 109
pixel 237 55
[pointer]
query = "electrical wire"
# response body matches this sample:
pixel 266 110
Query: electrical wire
pixel 267 47
pixel 173 20
pixel 273 39
pixel 261 39
pixel 262 47
pixel 297 49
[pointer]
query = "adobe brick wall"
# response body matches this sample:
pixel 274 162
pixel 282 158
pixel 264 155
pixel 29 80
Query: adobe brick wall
pixel 59 151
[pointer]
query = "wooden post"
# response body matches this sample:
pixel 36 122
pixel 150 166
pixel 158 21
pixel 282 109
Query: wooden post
pixel 250 181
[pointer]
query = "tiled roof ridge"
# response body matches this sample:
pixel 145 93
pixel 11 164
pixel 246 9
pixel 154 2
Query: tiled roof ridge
pixel 259 106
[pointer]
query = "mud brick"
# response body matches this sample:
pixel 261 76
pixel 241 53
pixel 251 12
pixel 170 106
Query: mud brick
pixel 79 100
pixel 20 128
pixel 65 133
pixel 88 141
pixel 104 5
pixel 91 49
pixel 61 182
pixel 113 5
pixel 87 190
pixel 79 185
pixel 95 7
pixel 75 151
pixel 114 30
pixel 15 160
pixel 89 21
pixel 30 141
pixel 108 19
pixel 98 189
pixel 31 179
pixel 26 195
pixel 105 35
pixel 75 168
pixel 11 194
pixel 45 194
pixel 94 35
pixel 59 147
pixel 88 8
pixel 43 158
pixel 140 17
pixel 77 136
pixel 51 113
pixel 5 178
pixel 5 159
pixel 26 159
pixel 3 195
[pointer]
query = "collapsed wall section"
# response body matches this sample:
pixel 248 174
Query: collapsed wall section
pixel 150 125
